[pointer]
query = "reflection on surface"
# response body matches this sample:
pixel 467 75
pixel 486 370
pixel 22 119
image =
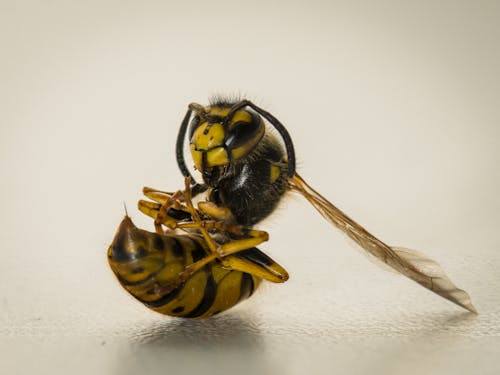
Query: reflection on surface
pixel 217 332
pixel 443 335
pixel 220 344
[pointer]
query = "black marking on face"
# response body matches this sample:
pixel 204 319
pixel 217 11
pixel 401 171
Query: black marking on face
pixel 203 162
pixel 213 119
pixel 242 132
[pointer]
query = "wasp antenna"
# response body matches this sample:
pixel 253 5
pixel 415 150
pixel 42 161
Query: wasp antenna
pixel 125 207
pixel 179 146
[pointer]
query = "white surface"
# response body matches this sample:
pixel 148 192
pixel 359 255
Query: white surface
pixel 393 108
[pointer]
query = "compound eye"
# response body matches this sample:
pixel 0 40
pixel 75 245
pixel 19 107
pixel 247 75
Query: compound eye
pixel 195 123
pixel 243 132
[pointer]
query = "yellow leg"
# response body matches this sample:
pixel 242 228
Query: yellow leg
pixel 152 209
pixel 213 225
pixel 156 195
pixel 216 212
pixel 256 263
pixel 196 217
pixel 162 213
pixel 256 237
pixel 260 266
pixel 270 270
pixel 149 208
pixel 251 238
pixel 185 274
pixel 159 211
pixel 206 209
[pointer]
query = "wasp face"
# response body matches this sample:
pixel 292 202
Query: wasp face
pixel 220 137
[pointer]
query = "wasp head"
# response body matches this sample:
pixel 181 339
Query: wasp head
pixel 220 136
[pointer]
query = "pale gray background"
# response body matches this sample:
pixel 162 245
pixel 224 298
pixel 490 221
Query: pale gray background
pixel 394 109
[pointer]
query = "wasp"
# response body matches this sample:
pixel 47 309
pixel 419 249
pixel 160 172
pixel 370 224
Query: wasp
pixel 197 274
pixel 246 169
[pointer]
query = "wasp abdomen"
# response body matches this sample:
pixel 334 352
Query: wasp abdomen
pixel 149 265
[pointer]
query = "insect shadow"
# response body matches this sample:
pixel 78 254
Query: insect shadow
pixel 222 343
pixel 225 331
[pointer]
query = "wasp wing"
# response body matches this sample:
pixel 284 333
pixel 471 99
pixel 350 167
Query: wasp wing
pixel 410 263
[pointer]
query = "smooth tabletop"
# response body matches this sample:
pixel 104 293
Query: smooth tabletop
pixel 393 109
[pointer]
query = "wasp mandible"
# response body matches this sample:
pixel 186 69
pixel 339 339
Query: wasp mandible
pixel 246 170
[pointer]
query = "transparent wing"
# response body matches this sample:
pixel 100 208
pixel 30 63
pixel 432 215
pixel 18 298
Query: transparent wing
pixel 410 263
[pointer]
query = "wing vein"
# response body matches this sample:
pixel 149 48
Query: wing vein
pixel 410 263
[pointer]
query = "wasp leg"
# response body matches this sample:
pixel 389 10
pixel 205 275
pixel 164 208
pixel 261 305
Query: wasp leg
pixel 162 213
pixel 185 274
pixel 213 225
pixel 256 263
pixel 255 238
pixel 165 201
pixel 160 196
pixel 241 254
pixel 216 212
pixel 196 217
pixel 209 209
pixel 156 195
pixel 159 212
pixel 149 208
pixel 252 237
pixel 152 210
pixel 251 261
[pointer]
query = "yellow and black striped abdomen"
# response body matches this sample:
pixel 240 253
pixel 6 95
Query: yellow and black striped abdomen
pixel 148 266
